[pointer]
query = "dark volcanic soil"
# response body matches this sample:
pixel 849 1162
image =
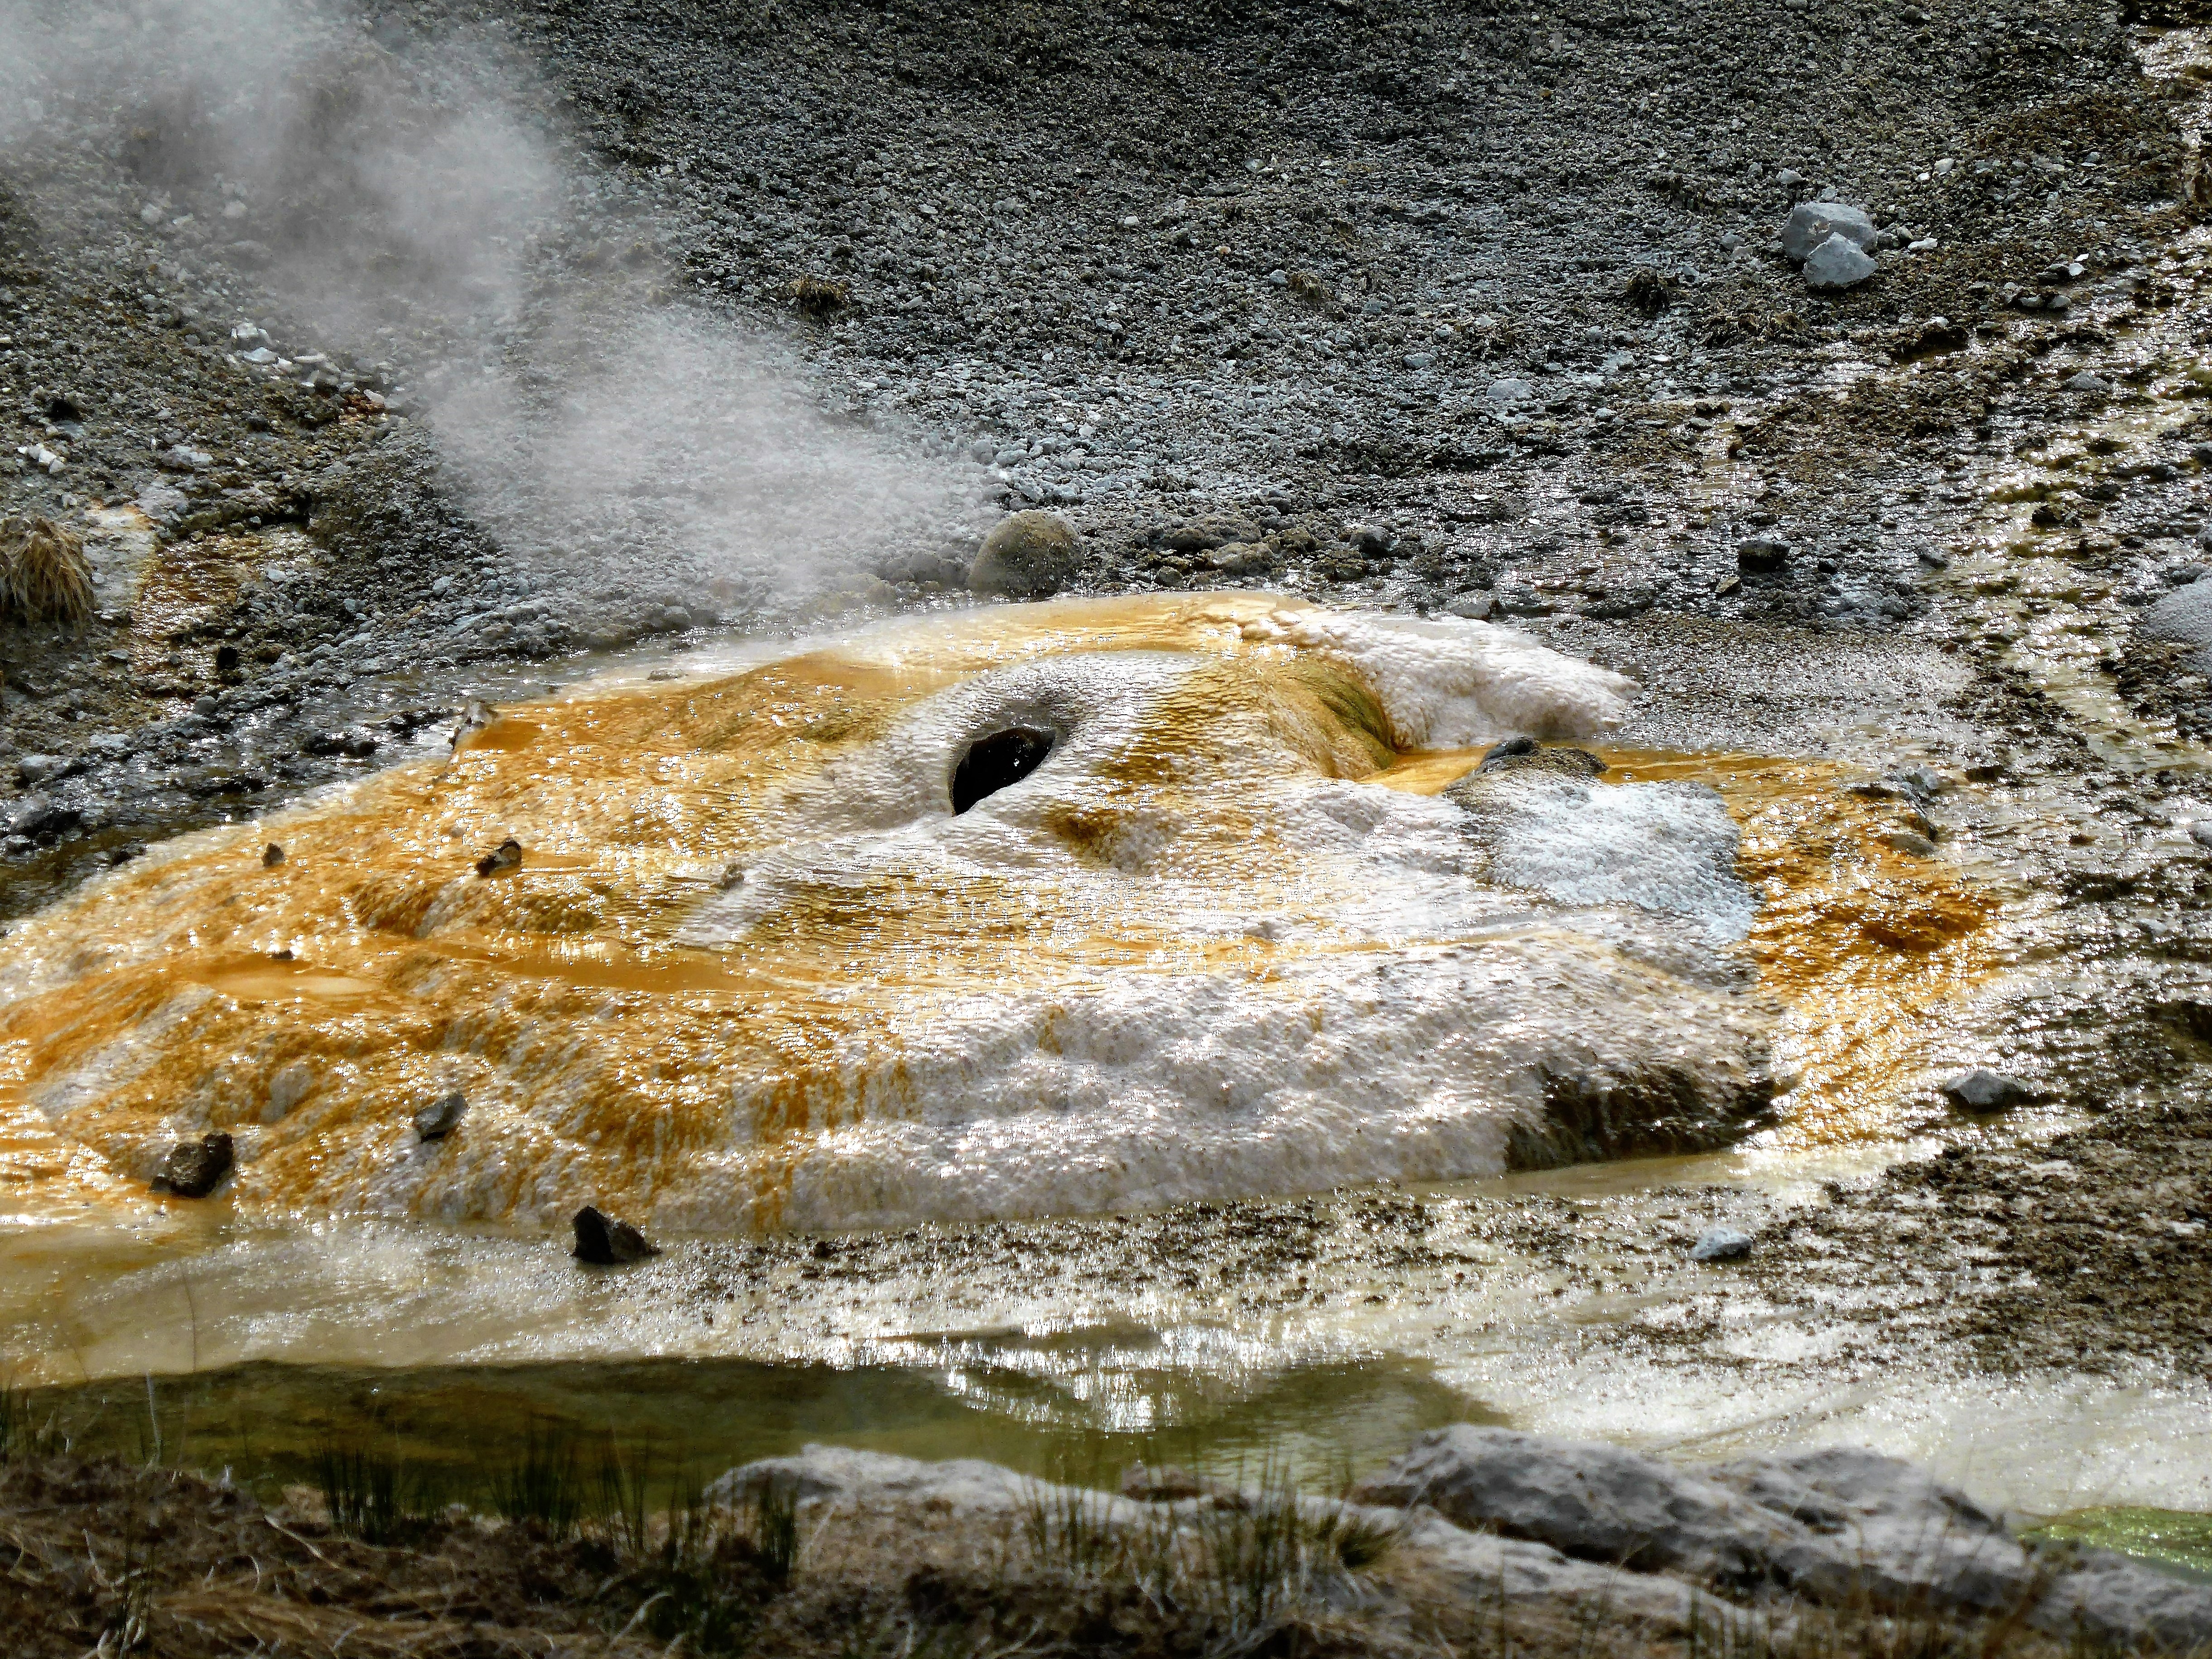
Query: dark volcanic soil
pixel 1476 309
pixel 1395 301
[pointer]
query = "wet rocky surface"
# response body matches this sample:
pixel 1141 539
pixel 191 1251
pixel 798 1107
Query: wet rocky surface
pixel 1482 313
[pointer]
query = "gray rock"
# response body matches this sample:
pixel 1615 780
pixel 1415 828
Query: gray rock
pixel 2201 832
pixel 35 769
pixel 2117 1602
pixel 1983 1091
pixel 1812 224
pixel 441 1117
pixel 2184 616
pixel 1027 555
pixel 1760 553
pixel 841 1473
pixel 1879 1530
pixel 1837 263
pixel 1842 1527
pixel 2085 381
pixel 1204 535
pixel 1722 1244
pixel 1556 1525
pixel 1472 606
pixel 1510 391
pixel 1482 1569
pixel 36 814
pixel 1585 1498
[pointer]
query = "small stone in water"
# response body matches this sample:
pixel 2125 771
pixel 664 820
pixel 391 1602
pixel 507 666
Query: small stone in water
pixel 506 856
pixel 1983 1091
pixel 193 1167
pixel 1162 1483
pixel 271 856
pixel 441 1117
pixel 1721 1245
pixel 475 716
pixel 604 1241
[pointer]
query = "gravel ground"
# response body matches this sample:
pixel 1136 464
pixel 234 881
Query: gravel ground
pixel 776 309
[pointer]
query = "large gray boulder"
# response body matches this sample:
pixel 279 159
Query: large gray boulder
pixel 1481 1569
pixel 1812 224
pixel 1485 1516
pixel 1878 1529
pixel 2117 1603
pixel 1585 1498
pixel 1840 1526
pixel 1027 555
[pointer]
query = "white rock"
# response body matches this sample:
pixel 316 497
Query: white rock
pixel 839 1472
pixel 1722 1244
pixel 1812 224
pixel 1837 263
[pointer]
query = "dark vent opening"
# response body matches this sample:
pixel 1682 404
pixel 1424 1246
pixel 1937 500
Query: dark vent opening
pixel 992 763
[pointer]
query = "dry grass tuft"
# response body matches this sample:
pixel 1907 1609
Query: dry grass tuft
pixel 819 297
pixel 44 575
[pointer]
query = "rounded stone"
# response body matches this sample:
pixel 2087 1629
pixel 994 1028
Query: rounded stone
pixel 1027 555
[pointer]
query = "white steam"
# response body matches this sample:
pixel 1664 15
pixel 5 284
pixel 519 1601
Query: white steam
pixel 408 201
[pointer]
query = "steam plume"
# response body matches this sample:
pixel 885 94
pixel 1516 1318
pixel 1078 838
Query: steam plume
pixel 409 199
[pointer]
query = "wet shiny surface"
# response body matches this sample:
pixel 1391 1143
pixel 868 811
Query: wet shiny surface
pixel 735 979
pixel 752 972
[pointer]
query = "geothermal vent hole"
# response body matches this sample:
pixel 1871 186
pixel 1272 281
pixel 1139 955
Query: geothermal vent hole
pixel 994 762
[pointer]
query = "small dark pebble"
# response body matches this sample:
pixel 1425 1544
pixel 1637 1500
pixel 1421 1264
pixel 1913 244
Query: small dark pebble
pixel 603 1241
pixel 1983 1091
pixel 193 1168
pixel 271 856
pixel 506 857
